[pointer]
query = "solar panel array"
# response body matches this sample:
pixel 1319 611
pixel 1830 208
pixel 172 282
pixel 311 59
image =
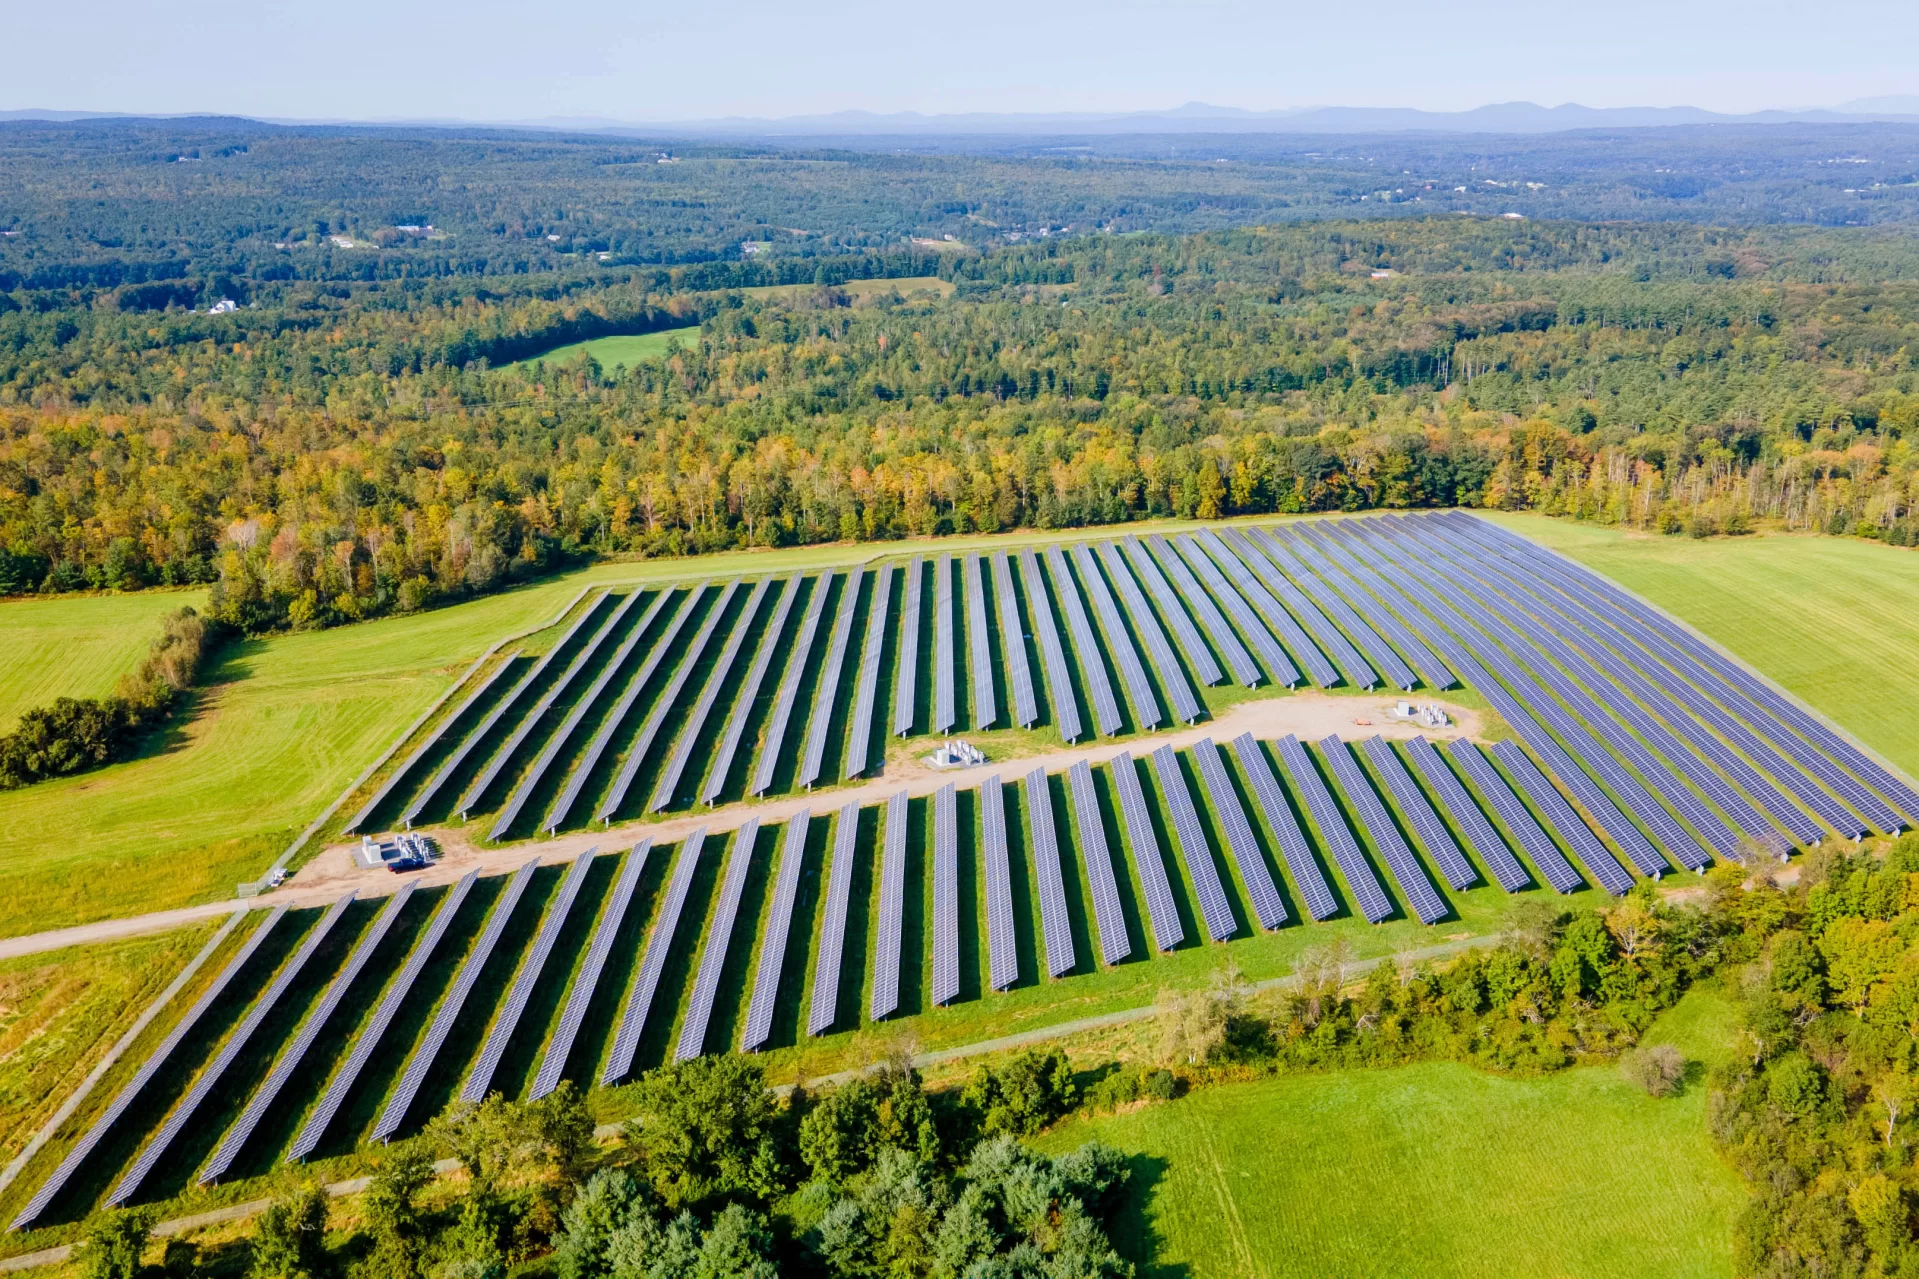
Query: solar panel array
pixel 1335 645
pixel 719 937
pixel 769 647
pixel 1171 678
pixel 1572 830
pixel 945 896
pixel 1268 907
pixel 428 744
pixel 1352 580
pixel 887 936
pixel 979 648
pixel 1328 600
pixel 156 1061
pixel 1173 612
pixel 827 960
pixel 1320 902
pixel 294 1054
pixel 1092 665
pixel 664 790
pixel 1109 918
pixel 1305 782
pixel 779 927
pixel 860 727
pixel 1002 949
pixel 659 943
pixel 945 655
pixel 1188 593
pixel 479 1078
pixel 585 982
pixel 826 692
pixel 1193 849
pixel 669 700
pixel 1012 642
pixel 1278 665
pixel 1119 643
pixel 1418 811
pixel 394 1114
pixel 214 1074
pixel 1457 806
pixel 1531 836
pixel 1059 678
pixel 790 686
pixel 1168 932
pixel 1379 827
pixel 906 675
pixel 1055 923
pixel 1271 611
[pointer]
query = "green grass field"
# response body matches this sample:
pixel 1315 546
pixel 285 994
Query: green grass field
pixel 611 352
pixel 1832 619
pixel 1432 1170
pixel 76 647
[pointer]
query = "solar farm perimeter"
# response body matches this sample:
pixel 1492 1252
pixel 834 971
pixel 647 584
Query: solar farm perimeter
pixel 1635 750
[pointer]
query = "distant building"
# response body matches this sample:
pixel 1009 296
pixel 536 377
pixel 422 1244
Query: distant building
pixel 223 306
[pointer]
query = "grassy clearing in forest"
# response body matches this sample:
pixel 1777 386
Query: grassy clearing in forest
pixel 76 645
pixel 621 349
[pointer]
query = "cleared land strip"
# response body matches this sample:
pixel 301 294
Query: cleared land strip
pixel 939 1057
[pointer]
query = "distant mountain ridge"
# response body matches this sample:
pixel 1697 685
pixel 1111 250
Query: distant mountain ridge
pixel 1192 117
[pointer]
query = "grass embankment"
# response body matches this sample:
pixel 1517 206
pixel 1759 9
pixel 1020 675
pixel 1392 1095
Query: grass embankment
pixel 76 646
pixel 1434 1169
pixel 1830 618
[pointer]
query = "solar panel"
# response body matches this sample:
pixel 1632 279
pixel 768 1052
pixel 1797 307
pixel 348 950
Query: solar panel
pixel 1054 921
pixel 887 938
pixel 1268 907
pixel 669 698
pixel 1092 666
pixel 1059 680
pixel 1002 948
pixel 1173 612
pixel 480 1078
pixel 790 686
pixel 1193 850
pixel 1320 902
pixel 1280 551
pixel 587 980
pixel 558 741
pixel 979 648
pixel 1168 932
pixel 215 1072
pixel 1193 557
pixel 533 718
pixel 428 1049
pixel 706 986
pixel 1419 814
pixel 716 679
pixel 1378 824
pixel 779 927
pixel 659 945
pixel 945 896
pixel 1158 651
pixel 616 718
pixel 494 716
pixel 858 745
pixel 769 646
pixel 151 1067
pixel 1323 672
pixel 1333 833
pixel 1331 641
pixel 826 692
pixel 825 1008
pixel 906 676
pixel 427 745
pixel 1453 801
pixel 1118 642
pixel 1012 642
pixel 945 708
pixel 1526 830
pixel 1192 596
pixel 295 1052
pixel 1108 917
pixel 1572 831
pixel 1345 575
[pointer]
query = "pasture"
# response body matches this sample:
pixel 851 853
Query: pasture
pixel 76 645
pixel 616 351
pixel 1433 1170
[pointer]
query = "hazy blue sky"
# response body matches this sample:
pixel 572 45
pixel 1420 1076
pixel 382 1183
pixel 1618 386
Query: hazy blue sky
pixel 647 60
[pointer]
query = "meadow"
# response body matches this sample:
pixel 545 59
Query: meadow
pixel 620 350
pixel 77 645
pixel 1433 1169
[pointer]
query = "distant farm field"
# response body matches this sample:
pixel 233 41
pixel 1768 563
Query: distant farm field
pixel 76 646
pixel 611 352
pixel 1432 1170
pixel 861 290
